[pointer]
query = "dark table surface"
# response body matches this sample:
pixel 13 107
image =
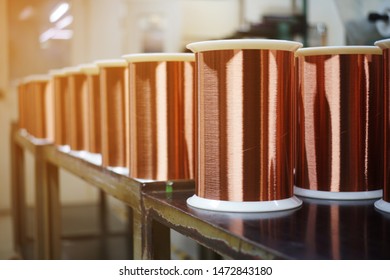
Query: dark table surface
pixel 319 229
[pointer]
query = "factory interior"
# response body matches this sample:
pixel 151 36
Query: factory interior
pixel 62 201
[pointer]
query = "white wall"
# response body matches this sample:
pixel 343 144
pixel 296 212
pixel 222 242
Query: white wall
pixel 205 20
pixel 325 11
pixel 162 16
pixel 97 29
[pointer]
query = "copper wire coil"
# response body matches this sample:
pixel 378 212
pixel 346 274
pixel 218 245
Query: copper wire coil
pixel 386 79
pixel 49 104
pixel 385 45
pixel 94 114
pixel 78 110
pixel 162 114
pixel 30 110
pixel 246 118
pixel 35 106
pixel 61 114
pixel 39 90
pixel 340 122
pixel 113 115
pixel 22 106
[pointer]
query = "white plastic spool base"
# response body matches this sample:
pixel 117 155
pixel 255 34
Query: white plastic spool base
pixel 36 141
pixel 64 148
pixel 382 205
pixel 246 206
pixel 95 159
pixel 78 154
pixel 338 195
pixel 119 170
pixel 145 180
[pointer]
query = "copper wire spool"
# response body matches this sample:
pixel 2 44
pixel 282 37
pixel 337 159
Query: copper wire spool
pixel 22 105
pixel 37 89
pixel 114 126
pixel 78 129
pixel 340 123
pixel 246 117
pixel 93 109
pixel 384 203
pixel 162 113
pixel 30 110
pixel 61 107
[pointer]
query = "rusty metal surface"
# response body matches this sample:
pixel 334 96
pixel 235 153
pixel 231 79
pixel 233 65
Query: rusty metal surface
pixel 340 123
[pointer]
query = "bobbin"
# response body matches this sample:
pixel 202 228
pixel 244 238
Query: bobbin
pixel 162 116
pixel 245 101
pixel 36 98
pixel 339 124
pixel 22 106
pixel 61 109
pixel 384 203
pixel 77 101
pixel 93 137
pixel 114 114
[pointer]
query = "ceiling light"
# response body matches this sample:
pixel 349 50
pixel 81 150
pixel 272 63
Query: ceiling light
pixel 66 21
pixel 63 34
pixel 47 35
pixel 59 11
pixel 26 13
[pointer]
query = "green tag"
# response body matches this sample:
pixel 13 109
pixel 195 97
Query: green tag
pixel 169 187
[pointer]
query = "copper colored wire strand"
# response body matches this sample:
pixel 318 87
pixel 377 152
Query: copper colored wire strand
pixel 22 106
pixel 162 127
pixel 246 118
pixel 340 123
pixel 49 105
pixel 35 108
pixel 39 91
pixel 386 90
pixel 61 116
pixel 113 105
pixel 77 109
pixel 30 110
pixel 94 114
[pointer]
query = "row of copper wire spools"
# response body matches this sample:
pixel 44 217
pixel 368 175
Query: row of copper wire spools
pixel 247 119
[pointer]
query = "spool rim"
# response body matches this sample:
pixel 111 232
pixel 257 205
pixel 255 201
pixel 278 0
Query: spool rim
pixel 244 207
pixel 382 205
pixel 338 50
pixel 383 44
pixel 111 63
pixel 36 78
pixel 72 70
pixel 338 195
pixel 244 44
pixel 89 69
